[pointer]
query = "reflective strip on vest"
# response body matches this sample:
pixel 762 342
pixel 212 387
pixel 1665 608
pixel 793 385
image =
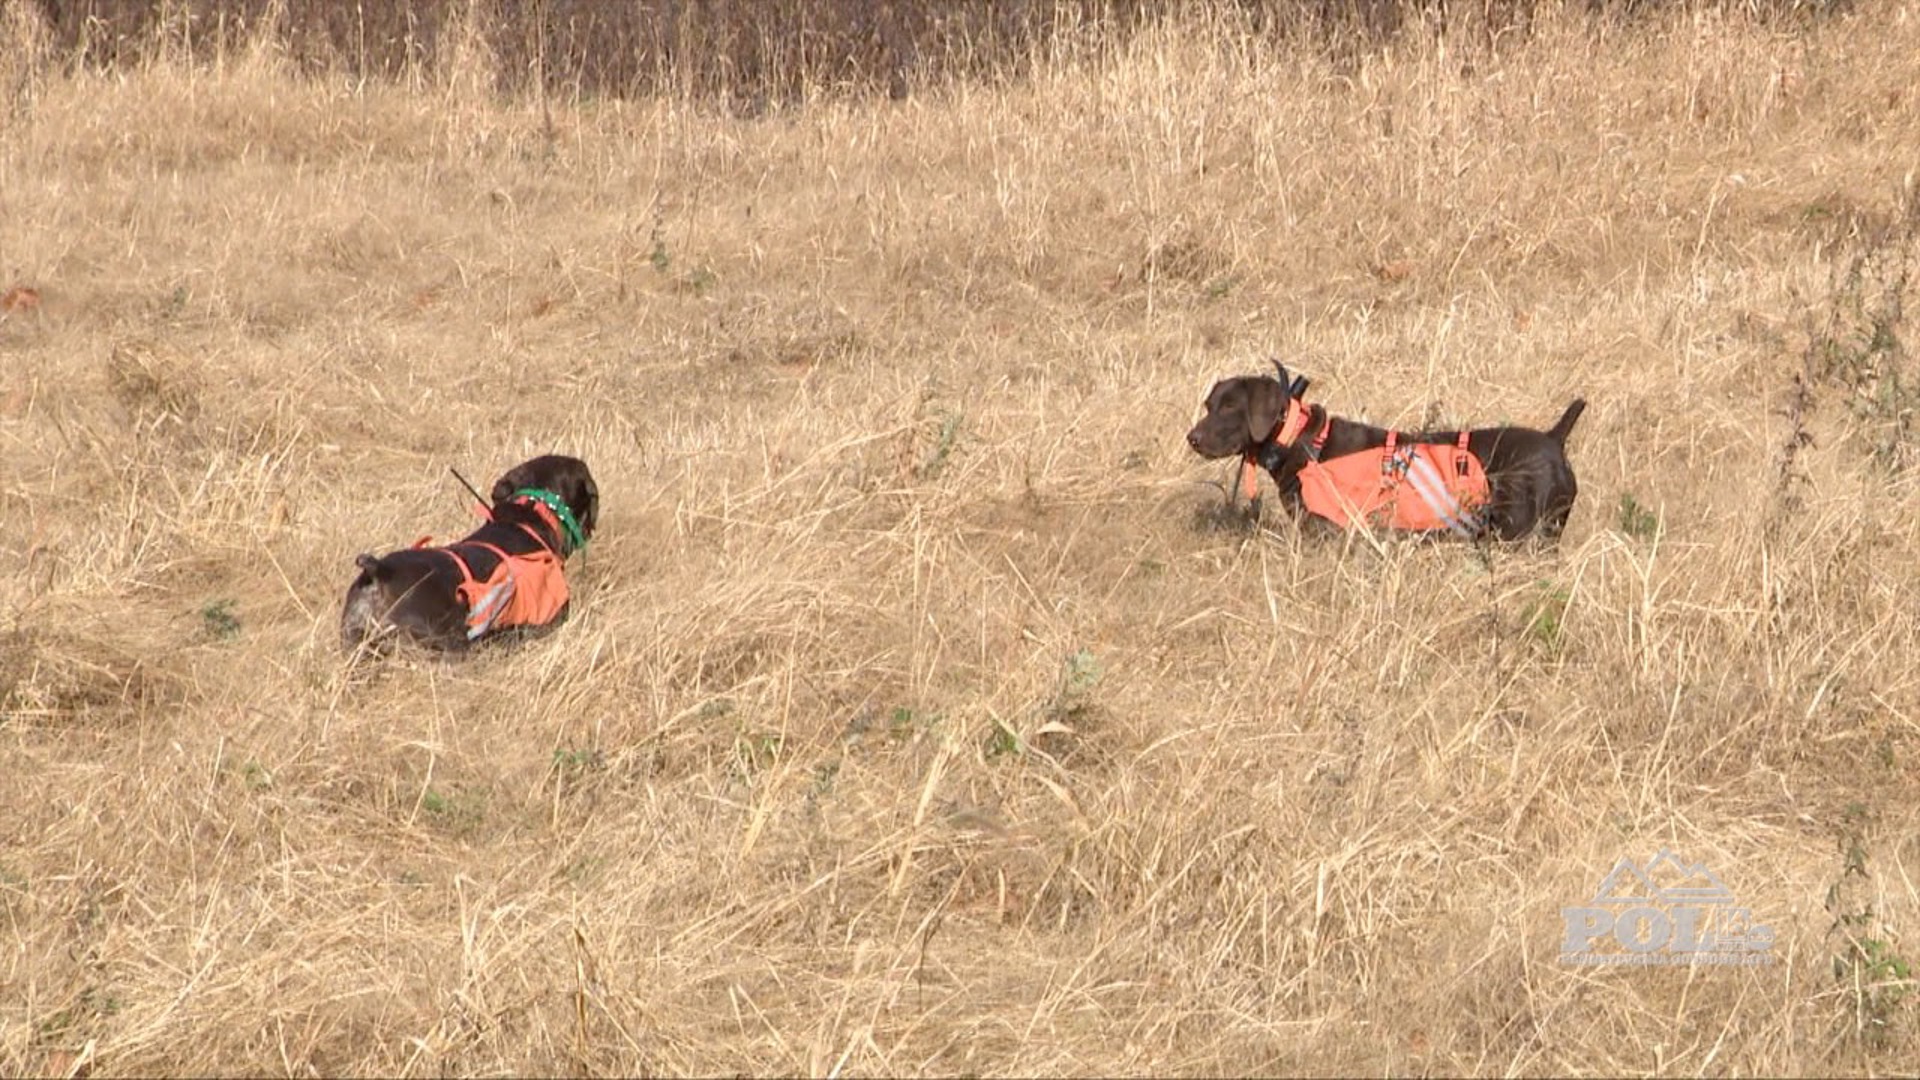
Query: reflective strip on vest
pixel 1432 489
pixel 486 607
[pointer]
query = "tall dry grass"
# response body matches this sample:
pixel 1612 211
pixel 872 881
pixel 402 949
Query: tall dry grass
pixel 921 710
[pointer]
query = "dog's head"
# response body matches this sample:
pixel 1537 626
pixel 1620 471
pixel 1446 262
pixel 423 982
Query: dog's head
pixel 568 478
pixel 1242 413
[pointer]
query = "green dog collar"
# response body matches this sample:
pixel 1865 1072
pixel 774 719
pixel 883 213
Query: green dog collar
pixel 560 510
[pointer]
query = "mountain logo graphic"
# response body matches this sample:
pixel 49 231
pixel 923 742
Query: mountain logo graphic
pixel 1666 879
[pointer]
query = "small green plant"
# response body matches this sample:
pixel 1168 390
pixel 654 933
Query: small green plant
pixel 459 811
pixel 824 776
pixel 1219 287
pixel 1862 351
pixel 697 281
pixel 1820 210
pixel 255 776
pixel 1071 700
pixel 1080 675
pixel 754 752
pixel 899 726
pixel 936 459
pixel 219 621
pixel 1546 616
pixel 1889 973
pixel 1003 741
pixel 1875 980
pixel 571 763
pixel 92 1005
pixel 1636 520
pixel 904 725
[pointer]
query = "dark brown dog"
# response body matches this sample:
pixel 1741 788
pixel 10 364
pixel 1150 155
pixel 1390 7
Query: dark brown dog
pixel 1530 482
pixel 507 575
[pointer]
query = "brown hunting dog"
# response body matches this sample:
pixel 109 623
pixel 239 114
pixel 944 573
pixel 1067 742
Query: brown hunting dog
pixel 1505 482
pixel 507 575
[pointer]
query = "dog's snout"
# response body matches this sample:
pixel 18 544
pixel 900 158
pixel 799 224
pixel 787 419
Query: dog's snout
pixel 1193 438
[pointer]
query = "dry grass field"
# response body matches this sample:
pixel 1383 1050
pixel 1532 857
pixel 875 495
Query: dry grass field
pixel 923 710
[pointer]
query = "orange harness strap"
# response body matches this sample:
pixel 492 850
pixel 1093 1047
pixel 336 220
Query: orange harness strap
pixel 1284 434
pixel 523 590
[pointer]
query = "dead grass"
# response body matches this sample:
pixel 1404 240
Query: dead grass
pixel 920 712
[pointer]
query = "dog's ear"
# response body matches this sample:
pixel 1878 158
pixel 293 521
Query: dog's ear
pixel 590 513
pixel 1266 407
pixel 1296 384
pixel 534 473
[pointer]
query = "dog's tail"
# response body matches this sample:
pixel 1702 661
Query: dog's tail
pixel 1561 430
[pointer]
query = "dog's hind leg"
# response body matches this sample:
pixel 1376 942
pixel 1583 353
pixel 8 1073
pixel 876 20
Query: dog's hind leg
pixel 363 616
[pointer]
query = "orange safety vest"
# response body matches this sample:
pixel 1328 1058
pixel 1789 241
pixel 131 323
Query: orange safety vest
pixel 1448 483
pixel 1448 486
pixel 523 590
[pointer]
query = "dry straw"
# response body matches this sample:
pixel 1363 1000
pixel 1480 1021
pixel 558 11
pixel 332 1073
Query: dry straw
pixel 922 712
